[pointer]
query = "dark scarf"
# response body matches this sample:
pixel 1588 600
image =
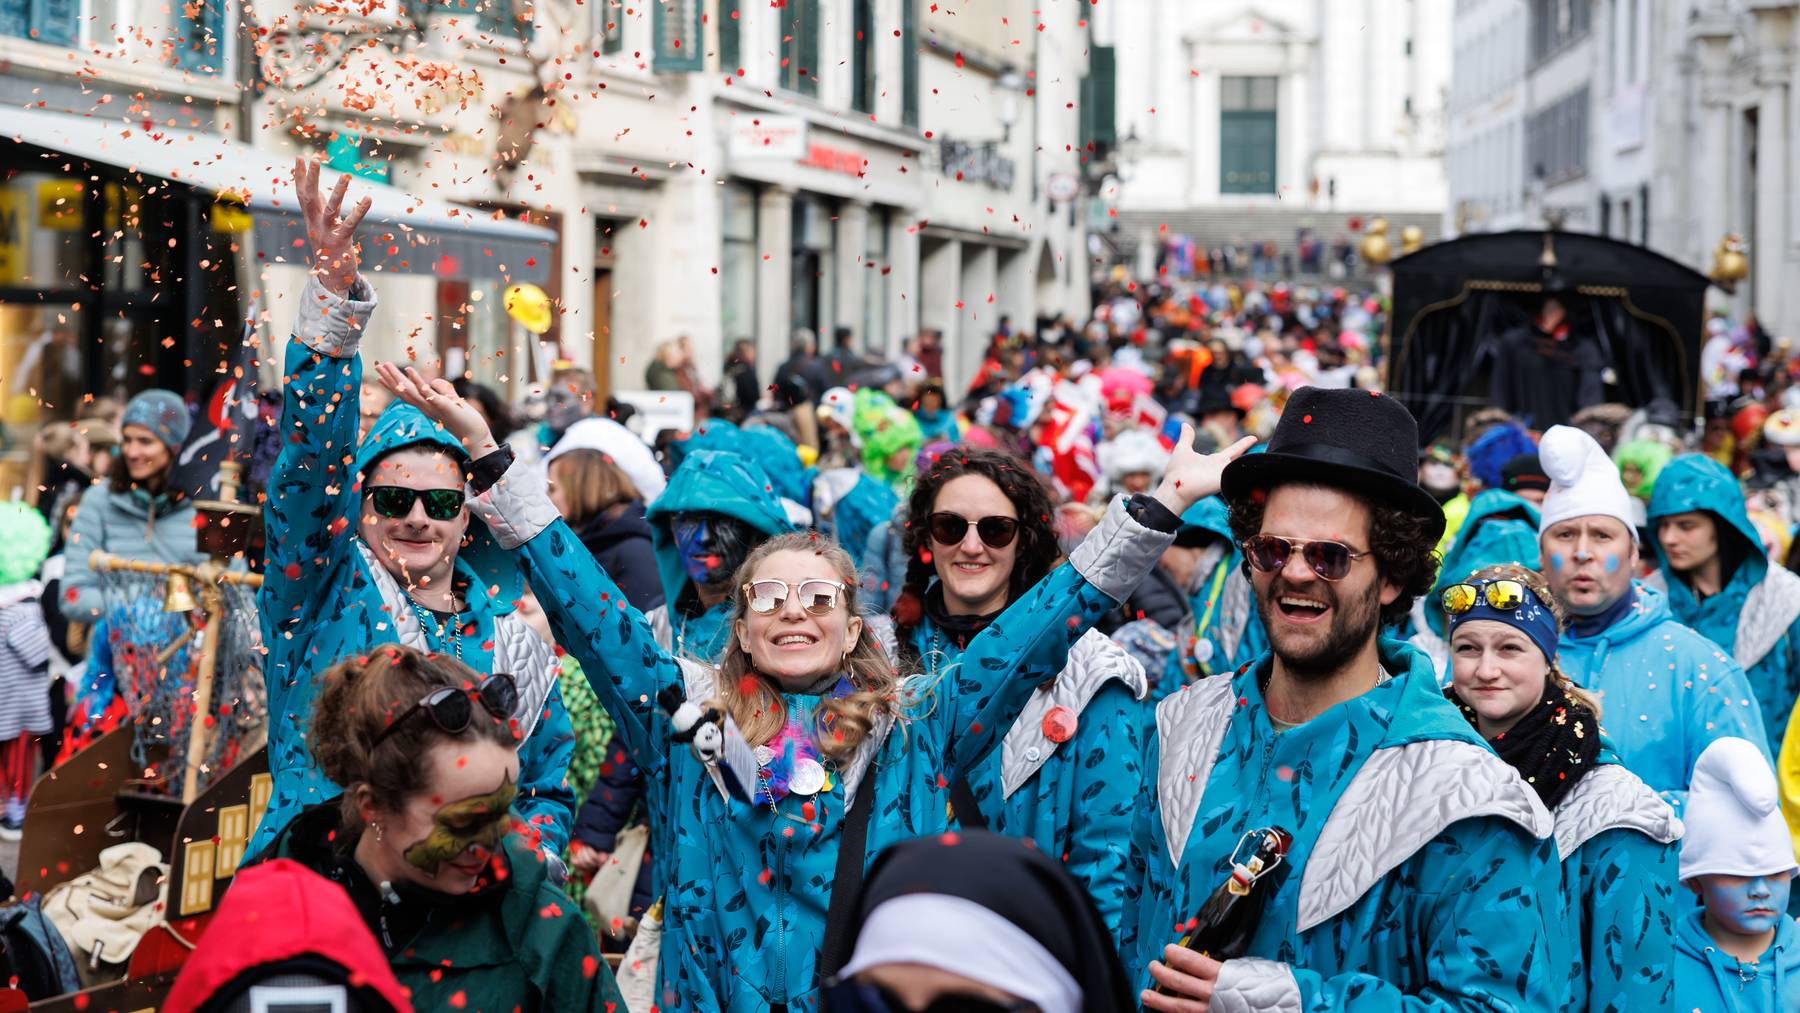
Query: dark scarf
pixel 1589 626
pixel 1552 747
pixel 958 629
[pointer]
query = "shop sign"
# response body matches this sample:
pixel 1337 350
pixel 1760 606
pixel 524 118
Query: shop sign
pixel 977 163
pixel 59 205
pixel 782 137
pixel 850 163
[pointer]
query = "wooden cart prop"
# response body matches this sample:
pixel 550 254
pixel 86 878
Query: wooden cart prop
pixel 157 789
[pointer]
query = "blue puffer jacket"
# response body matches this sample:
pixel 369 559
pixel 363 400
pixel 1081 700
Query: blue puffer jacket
pixel 707 481
pixel 1227 633
pixel 1422 874
pixel 135 525
pixel 1713 981
pixel 326 598
pixel 1074 797
pixel 747 889
pixel 1665 691
pixel 1619 845
pixel 1756 614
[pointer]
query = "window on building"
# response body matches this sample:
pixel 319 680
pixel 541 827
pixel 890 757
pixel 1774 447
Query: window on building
pixel 862 58
pixel 55 22
pixel 875 283
pixel 1097 119
pixel 1557 139
pixel 909 63
pixel 731 36
pixel 1558 24
pixel 609 26
pixel 815 257
pixel 1247 138
pixel 737 269
pixel 800 25
pixel 1632 17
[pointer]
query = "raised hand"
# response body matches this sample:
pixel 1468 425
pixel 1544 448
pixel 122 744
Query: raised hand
pixel 1192 476
pixel 330 233
pixel 440 403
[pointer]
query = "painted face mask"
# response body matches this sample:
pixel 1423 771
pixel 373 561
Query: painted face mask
pixel 477 821
pixel 1746 905
pixel 712 546
pixel 563 408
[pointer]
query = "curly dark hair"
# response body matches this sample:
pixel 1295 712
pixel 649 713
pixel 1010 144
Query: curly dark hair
pixel 1037 550
pixel 1402 543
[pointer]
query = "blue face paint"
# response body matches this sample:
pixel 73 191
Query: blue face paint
pixel 698 561
pixel 1746 905
pixel 1556 561
pixel 1612 564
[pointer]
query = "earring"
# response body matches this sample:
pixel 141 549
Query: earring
pixel 375 827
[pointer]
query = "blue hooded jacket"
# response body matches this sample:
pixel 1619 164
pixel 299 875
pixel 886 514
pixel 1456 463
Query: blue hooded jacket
pixel 746 886
pixel 1709 979
pixel 1078 800
pixel 1665 691
pixel 321 602
pixel 1223 610
pixel 1422 874
pixel 709 481
pixel 1755 617
pixel 1502 527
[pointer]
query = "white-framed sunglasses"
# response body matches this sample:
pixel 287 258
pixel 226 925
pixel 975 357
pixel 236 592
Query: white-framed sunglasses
pixel 817 595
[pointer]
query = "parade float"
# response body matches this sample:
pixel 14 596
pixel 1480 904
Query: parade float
pixel 138 834
pixel 1461 328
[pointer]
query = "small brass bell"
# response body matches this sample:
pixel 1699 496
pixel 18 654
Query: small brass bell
pixel 178 597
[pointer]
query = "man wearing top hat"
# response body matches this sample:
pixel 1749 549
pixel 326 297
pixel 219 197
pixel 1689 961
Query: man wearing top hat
pixel 1421 871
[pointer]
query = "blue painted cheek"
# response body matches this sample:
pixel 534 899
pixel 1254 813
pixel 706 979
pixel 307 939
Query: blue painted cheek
pixel 1556 561
pixel 1612 564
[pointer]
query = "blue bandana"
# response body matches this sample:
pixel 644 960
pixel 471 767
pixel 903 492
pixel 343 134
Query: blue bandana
pixel 1530 618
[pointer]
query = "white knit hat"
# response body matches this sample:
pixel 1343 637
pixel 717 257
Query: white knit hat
pixel 1584 482
pixel 1733 817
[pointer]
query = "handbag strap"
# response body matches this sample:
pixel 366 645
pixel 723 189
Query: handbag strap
pixel 963 805
pixel 847 884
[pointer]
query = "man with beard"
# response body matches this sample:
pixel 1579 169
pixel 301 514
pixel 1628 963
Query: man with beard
pixel 1421 870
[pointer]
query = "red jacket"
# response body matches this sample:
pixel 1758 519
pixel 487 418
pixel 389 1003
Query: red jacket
pixel 275 912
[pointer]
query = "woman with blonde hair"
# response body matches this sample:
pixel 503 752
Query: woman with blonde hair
pixel 1615 837
pixel 750 857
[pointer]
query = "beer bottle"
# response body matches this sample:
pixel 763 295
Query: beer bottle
pixel 1228 919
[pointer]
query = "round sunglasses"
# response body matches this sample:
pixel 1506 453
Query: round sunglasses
pixel 817 596
pixel 397 501
pixel 451 708
pixel 996 532
pixel 1504 594
pixel 1330 560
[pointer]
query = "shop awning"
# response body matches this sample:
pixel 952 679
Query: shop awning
pixel 422 236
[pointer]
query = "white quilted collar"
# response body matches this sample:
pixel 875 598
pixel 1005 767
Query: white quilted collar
pixel 1769 610
pixel 1610 797
pixel 1093 662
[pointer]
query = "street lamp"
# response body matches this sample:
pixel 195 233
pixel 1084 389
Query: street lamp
pixel 1011 86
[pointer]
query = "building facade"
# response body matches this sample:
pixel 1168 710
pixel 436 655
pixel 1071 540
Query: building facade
pixel 718 170
pixel 1268 114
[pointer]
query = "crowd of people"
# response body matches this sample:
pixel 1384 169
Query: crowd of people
pixel 868 694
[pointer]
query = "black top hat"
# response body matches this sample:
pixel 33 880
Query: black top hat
pixel 1361 441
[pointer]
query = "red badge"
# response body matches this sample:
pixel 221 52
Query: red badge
pixel 1059 724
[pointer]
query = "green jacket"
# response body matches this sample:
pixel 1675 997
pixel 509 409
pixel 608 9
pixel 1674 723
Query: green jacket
pixel 526 948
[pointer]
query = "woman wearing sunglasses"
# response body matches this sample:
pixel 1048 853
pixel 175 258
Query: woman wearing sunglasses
pixel 1615 837
pixel 748 884
pixel 373 545
pixel 1071 767
pixel 424 841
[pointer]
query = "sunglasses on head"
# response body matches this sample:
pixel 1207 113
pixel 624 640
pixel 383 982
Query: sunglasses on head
pixel 995 532
pixel 1330 560
pixel 818 596
pixel 397 501
pixel 451 708
pixel 855 997
pixel 1504 595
